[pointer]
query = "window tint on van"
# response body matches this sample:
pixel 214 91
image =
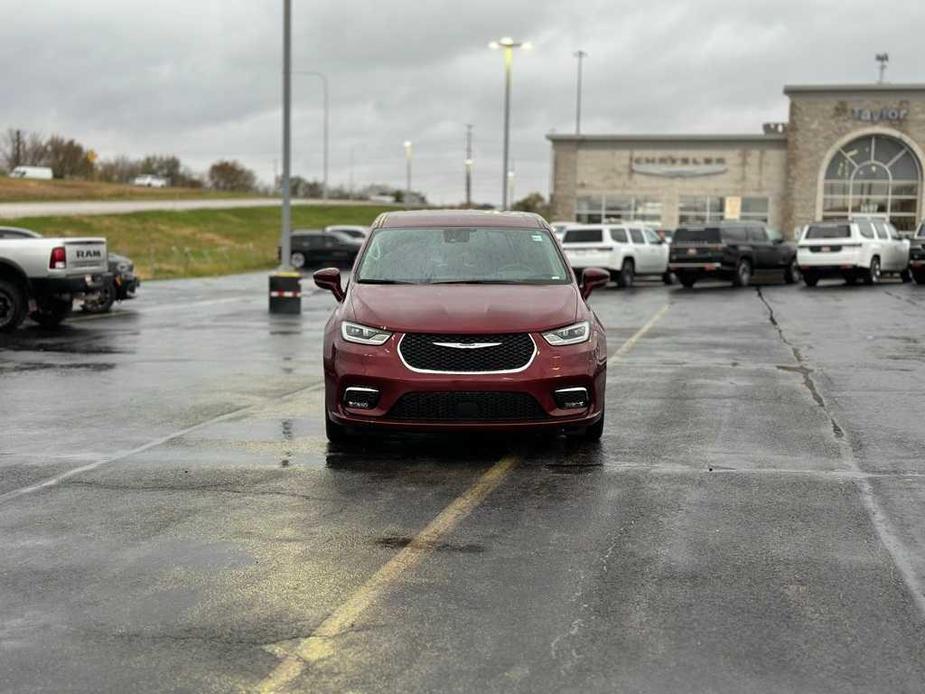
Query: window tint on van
pixel 618 235
pixel 881 231
pixel 636 235
pixel 866 229
pixel 583 236
pixel 828 231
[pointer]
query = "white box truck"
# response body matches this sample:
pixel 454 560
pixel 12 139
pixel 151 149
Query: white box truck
pixel 39 172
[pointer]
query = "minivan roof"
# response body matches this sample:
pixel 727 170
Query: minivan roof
pixel 458 218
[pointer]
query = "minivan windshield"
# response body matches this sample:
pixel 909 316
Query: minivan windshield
pixel 828 231
pixel 697 235
pixel 459 255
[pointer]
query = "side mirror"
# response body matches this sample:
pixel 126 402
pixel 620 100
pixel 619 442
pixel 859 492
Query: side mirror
pixel 329 278
pixel 591 279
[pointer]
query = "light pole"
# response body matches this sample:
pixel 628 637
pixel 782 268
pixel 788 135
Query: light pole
pixel 468 166
pixel 883 59
pixel 409 152
pixel 327 122
pixel 581 55
pixel 285 290
pixel 507 44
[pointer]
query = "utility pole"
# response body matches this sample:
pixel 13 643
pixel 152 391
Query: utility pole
pixel 883 59
pixel 581 55
pixel 409 153
pixel 327 124
pixel 17 150
pixel 468 165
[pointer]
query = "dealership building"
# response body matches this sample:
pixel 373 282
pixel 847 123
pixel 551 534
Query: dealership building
pixel 845 149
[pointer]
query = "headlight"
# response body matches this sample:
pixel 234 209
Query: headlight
pixel 122 267
pixel 361 334
pixel 571 335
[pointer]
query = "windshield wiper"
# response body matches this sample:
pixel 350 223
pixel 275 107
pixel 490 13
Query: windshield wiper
pixel 375 281
pixel 478 282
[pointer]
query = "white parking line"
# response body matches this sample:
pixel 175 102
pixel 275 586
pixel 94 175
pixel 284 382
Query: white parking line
pixel 57 479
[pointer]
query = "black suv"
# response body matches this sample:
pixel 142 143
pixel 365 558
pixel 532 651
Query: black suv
pixel 917 255
pixel 316 248
pixel 730 251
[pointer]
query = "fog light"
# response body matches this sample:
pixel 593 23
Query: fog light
pixel 571 398
pixel 359 398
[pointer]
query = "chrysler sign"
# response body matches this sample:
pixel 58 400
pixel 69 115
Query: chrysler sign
pixel 679 167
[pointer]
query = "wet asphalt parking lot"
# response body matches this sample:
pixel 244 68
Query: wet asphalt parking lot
pixel 753 520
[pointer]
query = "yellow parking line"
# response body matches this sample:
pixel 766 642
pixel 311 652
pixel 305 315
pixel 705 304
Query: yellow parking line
pixel 318 645
pixel 628 345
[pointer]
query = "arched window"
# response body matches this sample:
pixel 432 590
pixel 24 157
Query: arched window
pixel 874 174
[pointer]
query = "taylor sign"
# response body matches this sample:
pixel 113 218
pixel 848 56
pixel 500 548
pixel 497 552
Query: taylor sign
pixel 884 114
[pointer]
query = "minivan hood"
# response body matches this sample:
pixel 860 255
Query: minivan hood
pixel 464 308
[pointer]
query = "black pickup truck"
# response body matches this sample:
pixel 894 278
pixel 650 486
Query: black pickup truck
pixel 917 255
pixel 730 251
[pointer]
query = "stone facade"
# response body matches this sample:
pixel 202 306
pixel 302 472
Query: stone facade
pixel 824 118
pixel 595 166
pixel 785 165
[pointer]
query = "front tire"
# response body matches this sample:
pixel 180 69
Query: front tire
pixel 13 305
pixel 743 276
pixel 873 274
pixel 50 313
pixel 336 433
pixel 596 430
pixel 918 276
pixel 102 303
pixel 627 274
pixel 906 276
pixel 811 279
pixel 687 281
pixel 668 278
pixel 792 273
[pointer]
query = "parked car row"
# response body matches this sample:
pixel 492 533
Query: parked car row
pixel 41 278
pixel 856 250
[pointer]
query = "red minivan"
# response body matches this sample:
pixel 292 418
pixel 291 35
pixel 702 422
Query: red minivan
pixel 463 320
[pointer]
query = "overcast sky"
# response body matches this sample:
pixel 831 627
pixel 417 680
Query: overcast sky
pixel 201 78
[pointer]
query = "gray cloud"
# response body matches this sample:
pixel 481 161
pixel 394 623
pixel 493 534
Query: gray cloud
pixel 202 79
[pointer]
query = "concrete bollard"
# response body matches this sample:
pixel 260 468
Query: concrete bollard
pixel 286 293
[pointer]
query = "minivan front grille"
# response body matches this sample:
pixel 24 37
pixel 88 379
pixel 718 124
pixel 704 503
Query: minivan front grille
pixel 467 406
pixel 433 352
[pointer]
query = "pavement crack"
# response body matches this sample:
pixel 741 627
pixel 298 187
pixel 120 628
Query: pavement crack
pixel 889 537
pixel 801 368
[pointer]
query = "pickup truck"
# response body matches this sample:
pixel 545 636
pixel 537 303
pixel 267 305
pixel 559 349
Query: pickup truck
pixel 41 277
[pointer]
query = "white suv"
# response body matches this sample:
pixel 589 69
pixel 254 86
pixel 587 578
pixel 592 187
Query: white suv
pixel 625 249
pixel 862 249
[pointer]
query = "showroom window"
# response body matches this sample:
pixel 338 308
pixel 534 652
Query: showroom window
pixel 700 209
pixel 594 209
pixel 875 175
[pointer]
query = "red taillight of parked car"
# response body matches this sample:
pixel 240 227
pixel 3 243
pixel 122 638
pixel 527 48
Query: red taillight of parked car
pixel 58 260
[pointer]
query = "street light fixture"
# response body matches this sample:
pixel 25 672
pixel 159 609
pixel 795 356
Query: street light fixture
pixel 327 122
pixel 507 44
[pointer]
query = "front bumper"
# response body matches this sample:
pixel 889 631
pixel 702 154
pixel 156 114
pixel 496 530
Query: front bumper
pixel 381 368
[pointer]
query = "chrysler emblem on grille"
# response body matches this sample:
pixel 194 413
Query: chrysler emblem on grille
pixel 463 345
